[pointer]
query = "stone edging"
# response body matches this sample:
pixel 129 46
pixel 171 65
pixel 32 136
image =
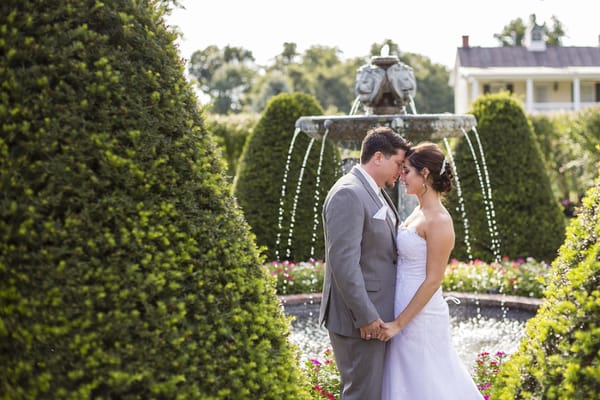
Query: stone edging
pixel 482 299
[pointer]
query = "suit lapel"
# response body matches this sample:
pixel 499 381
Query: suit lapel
pixel 365 183
pixel 377 199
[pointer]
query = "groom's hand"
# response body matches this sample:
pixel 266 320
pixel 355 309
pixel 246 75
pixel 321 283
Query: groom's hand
pixel 388 331
pixel 372 330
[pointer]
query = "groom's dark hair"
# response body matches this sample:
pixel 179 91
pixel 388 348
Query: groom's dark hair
pixel 383 139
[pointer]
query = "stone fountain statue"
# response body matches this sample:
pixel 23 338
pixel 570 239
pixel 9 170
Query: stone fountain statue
pixel 385 88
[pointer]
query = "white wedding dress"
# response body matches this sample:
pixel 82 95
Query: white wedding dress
pixel 421 362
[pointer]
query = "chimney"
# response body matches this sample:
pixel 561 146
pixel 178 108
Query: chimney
pixel 465 40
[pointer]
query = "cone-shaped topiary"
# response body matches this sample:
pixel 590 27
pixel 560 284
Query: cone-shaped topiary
pixel 528 221
pixel 261 174
pixel 559 357
pixel 126 269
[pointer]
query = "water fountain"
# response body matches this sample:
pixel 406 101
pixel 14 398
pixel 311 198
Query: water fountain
pixel 385 90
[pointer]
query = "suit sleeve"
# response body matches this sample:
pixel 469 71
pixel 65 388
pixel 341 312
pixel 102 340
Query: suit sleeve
pixel 345 218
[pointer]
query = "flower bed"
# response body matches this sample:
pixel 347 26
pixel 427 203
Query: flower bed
pixel 324 378
pixel 511 277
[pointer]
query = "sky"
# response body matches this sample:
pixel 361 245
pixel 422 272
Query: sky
pixel 432 28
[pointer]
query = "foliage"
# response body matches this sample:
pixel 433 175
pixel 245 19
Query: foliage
pixel 283 210
pixel 487 367
pixel 231 132
pixel 234 83
pixel 519 216
pixel 433 93
pixel 126 269
pixel 570 146
pixel 558 358
pixel 518 277
pixel 323 376
pixel 513 34
pixel 223 74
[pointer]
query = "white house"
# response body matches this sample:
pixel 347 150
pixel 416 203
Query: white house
pixel 547 78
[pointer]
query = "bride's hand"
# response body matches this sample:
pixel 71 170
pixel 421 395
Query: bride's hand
pixel 388 331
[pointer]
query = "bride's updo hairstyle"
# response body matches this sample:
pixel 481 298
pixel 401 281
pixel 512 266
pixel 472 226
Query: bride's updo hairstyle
pixel 429 155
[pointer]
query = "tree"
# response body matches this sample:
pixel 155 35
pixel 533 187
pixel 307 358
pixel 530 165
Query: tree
pixel 225 75
pixel 513 34
pixel 570 143
pixel 555 34
pixel 235 84
pixel 272 83
pixel 288 55
pixel 127 271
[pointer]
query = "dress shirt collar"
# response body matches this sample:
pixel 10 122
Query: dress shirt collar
pixel 370 179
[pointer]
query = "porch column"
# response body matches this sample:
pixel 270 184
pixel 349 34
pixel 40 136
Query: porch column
pixel 529 95
pixel 576 94
pixel 474 89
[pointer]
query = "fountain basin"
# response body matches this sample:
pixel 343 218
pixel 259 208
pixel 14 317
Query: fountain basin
pixel 349 131
pixel 480 323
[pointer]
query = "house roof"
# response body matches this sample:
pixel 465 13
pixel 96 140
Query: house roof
pixel 520 56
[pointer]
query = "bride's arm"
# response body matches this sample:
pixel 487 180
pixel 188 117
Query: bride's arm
pixel 439 234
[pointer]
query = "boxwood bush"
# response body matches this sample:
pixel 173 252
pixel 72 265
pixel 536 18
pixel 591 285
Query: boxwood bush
pixel 231 132
pixel 126 269
pixel 558 358
pixel 528 218
pixel 260 178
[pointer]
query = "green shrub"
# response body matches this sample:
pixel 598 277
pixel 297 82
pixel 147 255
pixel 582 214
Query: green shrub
pixel 528 219
pixel 231 132
pixel 558 358
pixel 568 142
pixel 126 269
pixel 261 173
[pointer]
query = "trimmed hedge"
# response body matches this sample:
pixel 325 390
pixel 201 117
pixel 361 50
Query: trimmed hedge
pixel 126 269
pixel 231 132
pixel 528 219
pixel 261 172
pixel 559 357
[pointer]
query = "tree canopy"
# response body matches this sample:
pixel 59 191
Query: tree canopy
pixel 235 83
pixel 513 34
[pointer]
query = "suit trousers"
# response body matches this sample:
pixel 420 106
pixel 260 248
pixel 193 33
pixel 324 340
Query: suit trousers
pixel 360 363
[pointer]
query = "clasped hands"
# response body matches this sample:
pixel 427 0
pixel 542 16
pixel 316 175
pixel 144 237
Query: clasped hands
pixel 380 330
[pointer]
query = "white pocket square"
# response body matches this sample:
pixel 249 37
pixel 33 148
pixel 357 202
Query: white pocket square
pixel 381 214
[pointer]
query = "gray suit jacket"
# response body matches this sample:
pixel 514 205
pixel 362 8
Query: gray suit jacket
pixel 360 270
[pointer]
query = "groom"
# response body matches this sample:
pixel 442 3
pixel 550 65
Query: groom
pixel 360 223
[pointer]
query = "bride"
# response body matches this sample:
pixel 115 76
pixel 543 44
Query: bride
pixel 420 361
